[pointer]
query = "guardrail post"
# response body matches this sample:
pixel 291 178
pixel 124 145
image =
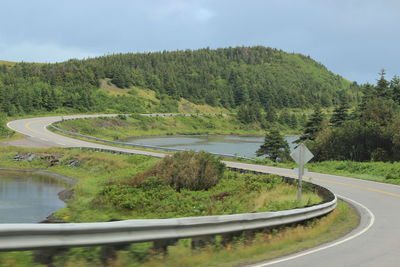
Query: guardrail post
pixel 110 252
pixel 46 256
pixel 161 246
pixel 202 241
pixel 228 238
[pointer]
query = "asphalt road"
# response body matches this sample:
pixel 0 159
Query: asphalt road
pixel 376 242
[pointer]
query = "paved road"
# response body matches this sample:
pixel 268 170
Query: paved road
pixel 376 242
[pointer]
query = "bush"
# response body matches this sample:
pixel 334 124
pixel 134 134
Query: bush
pixel 186 170
pixel 121 117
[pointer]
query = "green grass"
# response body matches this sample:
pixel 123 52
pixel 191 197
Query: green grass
pixel 384 172
pixel 102 193
pixel 136 125
pixel 266 244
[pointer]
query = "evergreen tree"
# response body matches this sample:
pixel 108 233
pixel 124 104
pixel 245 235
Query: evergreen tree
pixel 249 114
pixel 395 87
pixel 382 87
pixel 313 125
pixel 340 115
pixel 275 146
pixel 284 117
pixel 270 114
pixel 294 123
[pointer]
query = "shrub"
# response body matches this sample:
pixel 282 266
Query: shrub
pixel 121 117
pixel 186 170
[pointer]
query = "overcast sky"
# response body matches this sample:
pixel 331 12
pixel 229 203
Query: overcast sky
pixel 353 38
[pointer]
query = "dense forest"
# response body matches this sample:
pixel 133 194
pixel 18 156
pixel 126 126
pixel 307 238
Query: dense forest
pixel 370 132
pixel 227 77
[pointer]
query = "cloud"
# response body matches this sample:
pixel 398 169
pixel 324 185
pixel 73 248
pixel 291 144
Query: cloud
pixel 184 11
pixel 353 38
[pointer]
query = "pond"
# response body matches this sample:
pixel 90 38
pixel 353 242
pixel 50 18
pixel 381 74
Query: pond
pixel 28 198
pixel 241 145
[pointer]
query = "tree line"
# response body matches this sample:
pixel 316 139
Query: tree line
pixel 227 77
pixel 369 132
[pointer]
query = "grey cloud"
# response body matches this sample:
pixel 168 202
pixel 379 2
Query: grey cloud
pixel 353 38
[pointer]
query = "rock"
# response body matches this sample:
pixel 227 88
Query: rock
pixel 66 194
pixel 24 156
pixel 74 163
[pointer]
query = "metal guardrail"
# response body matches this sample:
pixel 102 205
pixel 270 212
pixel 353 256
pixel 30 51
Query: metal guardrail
pixel 147 146
pixel 38 236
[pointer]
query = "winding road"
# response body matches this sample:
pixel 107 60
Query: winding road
pixel 375 242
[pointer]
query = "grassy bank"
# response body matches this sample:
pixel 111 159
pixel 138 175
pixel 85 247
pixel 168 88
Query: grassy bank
pixel 385 172
pixel 104 192
pixel 136 125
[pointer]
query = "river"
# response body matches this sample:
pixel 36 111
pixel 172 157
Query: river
pixel 241 145
pixel 28 198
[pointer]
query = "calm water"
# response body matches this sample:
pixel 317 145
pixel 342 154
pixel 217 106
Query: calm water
pixel 241 145
pixel 26 198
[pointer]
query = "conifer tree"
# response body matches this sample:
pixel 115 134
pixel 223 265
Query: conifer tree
pixel 340 115
pixel 382 86
pixel 313 125
pixel 275 146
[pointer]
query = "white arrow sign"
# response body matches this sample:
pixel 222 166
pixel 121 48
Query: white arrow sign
pixel 301 155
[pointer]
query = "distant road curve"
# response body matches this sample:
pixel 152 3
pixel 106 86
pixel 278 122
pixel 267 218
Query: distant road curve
pixel 376 242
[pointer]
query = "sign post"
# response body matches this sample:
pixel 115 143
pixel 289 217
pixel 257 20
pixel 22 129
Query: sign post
pixel 301 155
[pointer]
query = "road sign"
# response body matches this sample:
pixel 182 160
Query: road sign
pixel 301 155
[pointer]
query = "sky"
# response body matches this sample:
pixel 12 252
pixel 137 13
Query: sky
pixel 352 38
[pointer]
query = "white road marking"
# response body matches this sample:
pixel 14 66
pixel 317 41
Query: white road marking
pixel 371 222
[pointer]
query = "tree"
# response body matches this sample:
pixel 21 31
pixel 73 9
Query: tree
pixel 275 146
pixel 270 114
pixel 340 115
pixel 382 86
pixel 395 86
pixel 249 113
pixel 313 125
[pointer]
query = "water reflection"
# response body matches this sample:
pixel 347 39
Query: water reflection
pixel 241 145
pixel 28 198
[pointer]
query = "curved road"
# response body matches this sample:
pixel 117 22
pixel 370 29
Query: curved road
pixel 376 242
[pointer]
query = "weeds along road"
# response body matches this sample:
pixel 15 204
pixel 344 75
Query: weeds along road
pixel 376 242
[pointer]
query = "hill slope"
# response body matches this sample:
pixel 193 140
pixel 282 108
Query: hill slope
pixel 226 77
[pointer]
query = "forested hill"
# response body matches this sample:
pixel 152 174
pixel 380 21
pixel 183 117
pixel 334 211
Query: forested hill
pixel 227 77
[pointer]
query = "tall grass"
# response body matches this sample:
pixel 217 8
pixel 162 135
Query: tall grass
pixel 136 125
pixel 387 172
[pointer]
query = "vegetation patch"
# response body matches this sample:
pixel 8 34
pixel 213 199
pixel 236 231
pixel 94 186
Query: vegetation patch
pixel 108 186
pixel 137 125
pixel 185 170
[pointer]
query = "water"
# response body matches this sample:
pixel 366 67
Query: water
pixel 26 198
pixel 236 145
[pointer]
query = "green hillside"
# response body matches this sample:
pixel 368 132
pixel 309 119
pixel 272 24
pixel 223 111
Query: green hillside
pixel 9 63
pixel 224 78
